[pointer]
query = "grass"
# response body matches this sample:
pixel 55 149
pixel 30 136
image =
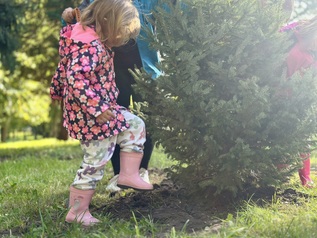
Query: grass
pixel 273 220
pixel 35 175
pixel 34 181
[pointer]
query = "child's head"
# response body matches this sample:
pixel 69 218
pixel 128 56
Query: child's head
pixel 307 33
pixel 116 21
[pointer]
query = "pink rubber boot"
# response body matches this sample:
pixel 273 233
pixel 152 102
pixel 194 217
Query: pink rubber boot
pixel 129 176
pixel 304 173
pixel 79 201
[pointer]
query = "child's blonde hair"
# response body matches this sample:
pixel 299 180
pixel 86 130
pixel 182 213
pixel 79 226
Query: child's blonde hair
pixel 116 21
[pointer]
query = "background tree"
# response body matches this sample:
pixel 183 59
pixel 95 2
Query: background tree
pixel 40 53
pixel 10 13
pixel 54 11
pixel 223 108
pixel 36 58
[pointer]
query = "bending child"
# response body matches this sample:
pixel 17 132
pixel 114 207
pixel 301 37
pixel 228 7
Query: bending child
pixel 134 54
pixel 85 80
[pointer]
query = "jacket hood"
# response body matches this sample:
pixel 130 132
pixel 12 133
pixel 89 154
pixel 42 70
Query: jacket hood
pixel 75 37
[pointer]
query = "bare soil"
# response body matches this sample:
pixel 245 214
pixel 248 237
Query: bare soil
pixel 172 206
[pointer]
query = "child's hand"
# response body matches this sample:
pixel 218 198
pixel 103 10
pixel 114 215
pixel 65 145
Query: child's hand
pixel 105 116
pixel 67 15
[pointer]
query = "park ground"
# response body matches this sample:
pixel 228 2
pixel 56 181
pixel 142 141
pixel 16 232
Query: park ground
pixel 34 192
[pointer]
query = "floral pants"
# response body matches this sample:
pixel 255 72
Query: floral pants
pixel 98 152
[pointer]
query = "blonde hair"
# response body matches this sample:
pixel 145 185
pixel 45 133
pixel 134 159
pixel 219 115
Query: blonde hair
pixel 116 21
pixel 306 32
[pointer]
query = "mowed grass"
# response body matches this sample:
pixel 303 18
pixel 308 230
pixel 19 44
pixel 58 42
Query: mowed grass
pixel 34 187
pixel 35 177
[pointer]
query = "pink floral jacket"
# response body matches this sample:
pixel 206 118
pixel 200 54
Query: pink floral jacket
pixel 85 81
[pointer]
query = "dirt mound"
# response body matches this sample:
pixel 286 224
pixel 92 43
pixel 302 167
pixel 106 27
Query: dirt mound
pixel 171 206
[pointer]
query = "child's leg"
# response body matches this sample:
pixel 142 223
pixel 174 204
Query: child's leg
pixel 147 152
pixel 96 155
pixel 79 201
pixel 131 143
pixel 115 160
pixel 304 173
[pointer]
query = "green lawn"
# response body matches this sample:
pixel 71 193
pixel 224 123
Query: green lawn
pixel 34 181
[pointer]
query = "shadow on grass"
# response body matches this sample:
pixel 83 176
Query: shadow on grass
pixel 62 152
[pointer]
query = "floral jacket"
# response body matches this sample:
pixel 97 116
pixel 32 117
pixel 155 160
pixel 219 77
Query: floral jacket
pixel 85 81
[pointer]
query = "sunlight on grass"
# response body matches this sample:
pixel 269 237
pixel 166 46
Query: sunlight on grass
pixel 158 158
pixel 37 143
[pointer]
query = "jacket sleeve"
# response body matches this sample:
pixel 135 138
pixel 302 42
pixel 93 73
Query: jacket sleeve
pixel 57 83
pixel 79 80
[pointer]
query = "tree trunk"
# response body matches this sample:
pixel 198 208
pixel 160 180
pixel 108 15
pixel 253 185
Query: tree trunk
pixel 62 133
pixel 5 130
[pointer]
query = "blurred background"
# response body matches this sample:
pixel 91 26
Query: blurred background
pixel 29 31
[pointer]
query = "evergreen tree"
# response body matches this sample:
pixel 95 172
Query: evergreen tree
pixel 223 108
pixel 29 34
pixel 10 11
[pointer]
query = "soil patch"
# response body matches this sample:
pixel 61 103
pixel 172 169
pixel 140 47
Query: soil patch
pixel 171 206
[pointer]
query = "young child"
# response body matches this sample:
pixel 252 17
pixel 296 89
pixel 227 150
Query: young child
pixel 302 56
pixel 85 80
pixel 133 54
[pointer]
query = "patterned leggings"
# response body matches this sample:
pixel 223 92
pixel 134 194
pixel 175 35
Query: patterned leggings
pixel 98 152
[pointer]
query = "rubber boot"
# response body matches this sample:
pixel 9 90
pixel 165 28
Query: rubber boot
pixel 304 173
pixel 129 176
pixel 79 201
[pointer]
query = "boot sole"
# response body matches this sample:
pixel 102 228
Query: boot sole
pixel 137 189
